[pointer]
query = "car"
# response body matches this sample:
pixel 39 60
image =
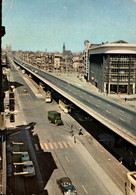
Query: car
pixel 112 92
pixel 12 118
pixel 66 186
pixel 25 90
pixel 25 157
pixel 7 114
pixel 28 169
pixel 6 106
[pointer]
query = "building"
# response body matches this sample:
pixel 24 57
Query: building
pixel 88 45
pixel 66 52
pixel 112 67
pixel 78 63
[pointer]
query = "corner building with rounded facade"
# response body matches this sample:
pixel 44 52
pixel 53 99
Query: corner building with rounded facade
pixel 112 67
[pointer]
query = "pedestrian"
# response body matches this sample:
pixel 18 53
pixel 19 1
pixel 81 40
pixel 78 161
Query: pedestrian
pixel 74 139
pixel 72 133
pixel 71 126
pixel 80 131
pixel 125 99
pixel 121 160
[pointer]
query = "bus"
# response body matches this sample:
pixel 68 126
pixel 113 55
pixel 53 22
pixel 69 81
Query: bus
pixel 64 106
pixel 130 185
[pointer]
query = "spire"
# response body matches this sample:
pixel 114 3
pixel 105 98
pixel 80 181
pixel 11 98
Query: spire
pixel 63 47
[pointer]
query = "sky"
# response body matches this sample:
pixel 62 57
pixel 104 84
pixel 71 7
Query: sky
pixel 36 25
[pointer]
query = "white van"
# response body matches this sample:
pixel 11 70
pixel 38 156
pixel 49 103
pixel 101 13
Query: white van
pixel 64 106
pixel 48 98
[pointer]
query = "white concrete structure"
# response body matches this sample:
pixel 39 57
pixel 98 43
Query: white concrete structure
pixel 113 67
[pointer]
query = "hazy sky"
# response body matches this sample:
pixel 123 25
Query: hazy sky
pixel 45 24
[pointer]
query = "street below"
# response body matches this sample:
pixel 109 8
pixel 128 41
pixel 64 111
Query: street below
pixel 54 150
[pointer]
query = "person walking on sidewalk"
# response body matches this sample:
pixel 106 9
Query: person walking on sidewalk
pixel 74 139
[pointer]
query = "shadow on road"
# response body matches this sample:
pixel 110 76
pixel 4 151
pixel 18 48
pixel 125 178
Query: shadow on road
pixel 16 84
pixel 45 161
pixel 122 150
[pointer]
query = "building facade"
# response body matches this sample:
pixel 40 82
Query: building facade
pixel 112 67
pixel 88 45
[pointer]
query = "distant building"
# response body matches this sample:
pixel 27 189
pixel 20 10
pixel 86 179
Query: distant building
pixel 88 45
pixel 66 52
pixel 49 61
pixel 57 60
pixel 78 63
pixel 112 67
pixel 8 48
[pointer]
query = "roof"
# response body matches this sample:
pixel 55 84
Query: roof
pixel 114 48
pixel 28 163
pixel 54 112
pixel 120 41
pixel 65 179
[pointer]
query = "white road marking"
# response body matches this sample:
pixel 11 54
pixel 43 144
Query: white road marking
pixel 122 119
pixel 60 144
pixel 108 111
pixel 51 146
pixel 84 189
pixel 97 105
pixel 121 111
pixel 56 146
pixel 67 159
pixel 109 105
pixel 36 147
pixel 70 144
pixel 65 144
pixel 46 146
pixel 41 146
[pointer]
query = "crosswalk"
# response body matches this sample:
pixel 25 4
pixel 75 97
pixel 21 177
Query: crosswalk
pixel 52 145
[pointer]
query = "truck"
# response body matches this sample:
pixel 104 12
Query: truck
pixel 55 117
pixel 48 98
pixel 64 106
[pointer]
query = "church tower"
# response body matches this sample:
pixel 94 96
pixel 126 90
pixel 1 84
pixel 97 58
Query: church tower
pixel 63 48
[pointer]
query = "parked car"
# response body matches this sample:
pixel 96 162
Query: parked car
pixel 12 118
pixel 7 114
pixel 28 167
pixel 25 157
pixel 66 186
pixel 25 90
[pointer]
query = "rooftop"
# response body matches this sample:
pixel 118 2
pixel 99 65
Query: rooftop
pixel 121 47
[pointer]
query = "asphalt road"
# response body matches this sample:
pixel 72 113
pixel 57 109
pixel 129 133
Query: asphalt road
pixel 56 153
pixel 116 117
